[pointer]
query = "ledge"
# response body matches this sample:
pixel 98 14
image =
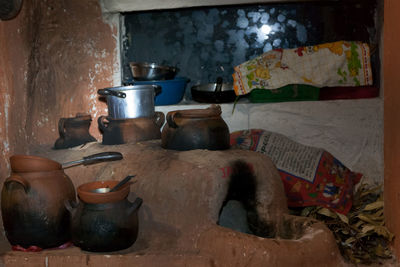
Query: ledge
pixel 352 130
pixel 114 6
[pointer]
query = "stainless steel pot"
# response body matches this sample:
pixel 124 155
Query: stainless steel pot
pixel 133 101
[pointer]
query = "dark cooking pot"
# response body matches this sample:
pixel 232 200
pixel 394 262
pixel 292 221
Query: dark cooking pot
pixel 212 93
pixel 104 222
pixel 74 131
pixel 32 200
pixel 32 207
pixel 121 131
pixel 195 129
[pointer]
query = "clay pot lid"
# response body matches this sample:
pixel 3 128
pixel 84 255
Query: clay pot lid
pixel 86 195
pixel 28 163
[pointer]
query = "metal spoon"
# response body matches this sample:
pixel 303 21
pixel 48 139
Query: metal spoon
pixel 115 188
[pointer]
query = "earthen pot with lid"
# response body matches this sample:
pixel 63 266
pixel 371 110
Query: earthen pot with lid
pixel 32 202
pixel 195 129
pixel 104 222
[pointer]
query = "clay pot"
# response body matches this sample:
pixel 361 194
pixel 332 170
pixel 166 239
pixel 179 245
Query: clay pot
pixel 74 131
pixel 195 129
pixel 121 131
pixel 104 222
pixel 32 203
pixel 27 163
pixel 86 194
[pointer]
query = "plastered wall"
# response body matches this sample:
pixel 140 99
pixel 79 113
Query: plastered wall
pixel 14 55
pixel 391 61
pixel 53 57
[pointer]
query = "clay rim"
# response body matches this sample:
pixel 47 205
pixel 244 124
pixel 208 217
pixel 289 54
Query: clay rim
pixel 28 163
pixel 213 111
pixel 85 194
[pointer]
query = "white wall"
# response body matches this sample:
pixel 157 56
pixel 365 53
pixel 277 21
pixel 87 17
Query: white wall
pixel 351 130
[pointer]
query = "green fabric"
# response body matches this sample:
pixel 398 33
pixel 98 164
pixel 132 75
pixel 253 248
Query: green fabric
pixel 292 92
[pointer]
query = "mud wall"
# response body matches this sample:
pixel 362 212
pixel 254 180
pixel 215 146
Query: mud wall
pixel 391 62
pixel 73 56
pixel 53 57
pixel 14 55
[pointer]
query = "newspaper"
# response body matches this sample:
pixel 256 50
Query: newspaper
pixel 289 156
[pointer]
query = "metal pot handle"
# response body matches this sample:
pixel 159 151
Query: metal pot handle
pixel 160 119
pixel 157 89
pixel 106 92
pixel 103 122
pixel 218 85
pixel 135 206
pixel 71 206
pixel 18 179
pixel 61 129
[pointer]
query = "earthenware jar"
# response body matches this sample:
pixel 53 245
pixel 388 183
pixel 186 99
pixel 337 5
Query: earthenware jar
pixel 121 131
pixel 195 129
pixel 104 222
pixel 32 202
pixel 74 131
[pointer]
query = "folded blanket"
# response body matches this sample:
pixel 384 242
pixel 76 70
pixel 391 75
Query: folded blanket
pixel 340 63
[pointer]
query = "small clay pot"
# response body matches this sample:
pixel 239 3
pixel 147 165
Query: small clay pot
pixel 74 131
pixel 195 129
pixel 121 131
pixel 86 194
pixel 32 207
pixel 107 222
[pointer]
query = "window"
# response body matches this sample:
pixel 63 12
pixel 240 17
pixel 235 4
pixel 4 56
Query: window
pixel 207 42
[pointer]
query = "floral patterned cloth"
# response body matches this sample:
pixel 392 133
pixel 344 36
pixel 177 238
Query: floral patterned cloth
pixel 340 63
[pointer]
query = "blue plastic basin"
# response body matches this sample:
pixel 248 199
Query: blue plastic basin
pixel 172 91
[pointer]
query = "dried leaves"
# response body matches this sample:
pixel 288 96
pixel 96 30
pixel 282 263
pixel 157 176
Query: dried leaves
pixel 361 234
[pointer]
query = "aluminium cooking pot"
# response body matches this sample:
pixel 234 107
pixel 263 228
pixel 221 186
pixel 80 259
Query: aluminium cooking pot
pixel 132 101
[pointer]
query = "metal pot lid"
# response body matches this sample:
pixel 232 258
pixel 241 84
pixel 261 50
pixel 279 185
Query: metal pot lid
pixel 211 87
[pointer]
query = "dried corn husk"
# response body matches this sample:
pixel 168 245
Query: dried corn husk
pixel 361 235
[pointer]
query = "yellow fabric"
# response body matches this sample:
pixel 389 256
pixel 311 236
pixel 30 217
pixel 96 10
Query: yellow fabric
pixel 340 63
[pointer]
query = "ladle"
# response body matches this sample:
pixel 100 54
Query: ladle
pixel 95 158
pixel 115 188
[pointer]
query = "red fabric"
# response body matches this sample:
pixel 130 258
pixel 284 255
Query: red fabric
pixel 332 187
pixel 37 249
pixel 332 184
pixel 332 93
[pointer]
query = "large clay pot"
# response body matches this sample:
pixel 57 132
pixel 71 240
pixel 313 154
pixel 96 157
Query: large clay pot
pixel 121 131
pixel 195 129
pixel 104 222
pixel 32 203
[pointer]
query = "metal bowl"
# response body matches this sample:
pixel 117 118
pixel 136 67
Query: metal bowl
pixel 143 71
